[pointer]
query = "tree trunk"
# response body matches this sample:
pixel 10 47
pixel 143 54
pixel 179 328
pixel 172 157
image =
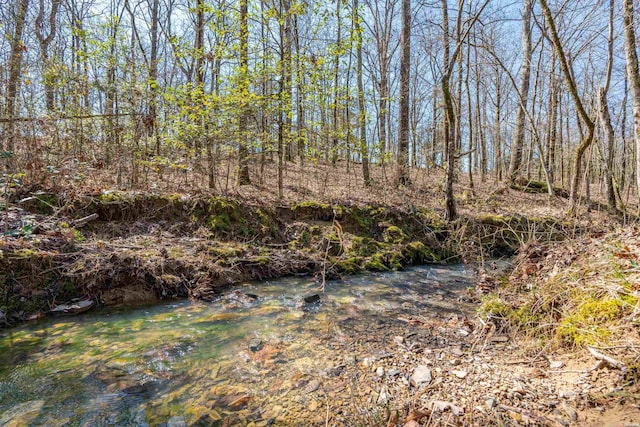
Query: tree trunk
pixel 362 113
pixel 449 120
pixel 587 139
pixel 152 120
pixel 403 175
pixel 15 75
pixel 525 74
pixel 336 89
pixel 44 41
pixel 243 95
pixel 633 75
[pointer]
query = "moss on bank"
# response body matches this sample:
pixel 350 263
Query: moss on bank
pixel 583 292
pixel 145 247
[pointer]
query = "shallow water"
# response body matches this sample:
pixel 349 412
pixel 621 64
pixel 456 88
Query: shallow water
pixel 186 362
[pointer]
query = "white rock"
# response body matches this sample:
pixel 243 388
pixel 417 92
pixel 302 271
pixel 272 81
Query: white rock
pixel 490 403
pixel 380 371
pixel 421 376
pixel 556 364
pixel 383 397
pixel 459 374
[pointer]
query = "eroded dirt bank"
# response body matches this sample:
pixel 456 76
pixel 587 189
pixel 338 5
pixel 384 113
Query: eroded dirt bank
pixel 116 248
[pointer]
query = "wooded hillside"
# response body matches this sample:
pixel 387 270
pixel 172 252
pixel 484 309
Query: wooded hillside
pixel 214 94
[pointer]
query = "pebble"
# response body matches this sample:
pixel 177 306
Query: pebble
pixel 490 403
pixel 459 374
pixel 556 364
pixel 571 412
pixel 383 397
pixel 393 372
pixel 421 376
pixel 380 371
pixel 312 386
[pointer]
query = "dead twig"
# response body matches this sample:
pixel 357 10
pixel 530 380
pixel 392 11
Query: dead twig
pixel 608 360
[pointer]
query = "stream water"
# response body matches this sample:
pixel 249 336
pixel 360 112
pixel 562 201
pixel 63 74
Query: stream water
pixel 251 358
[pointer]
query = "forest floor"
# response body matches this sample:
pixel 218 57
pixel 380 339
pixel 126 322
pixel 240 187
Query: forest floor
pixel 523 353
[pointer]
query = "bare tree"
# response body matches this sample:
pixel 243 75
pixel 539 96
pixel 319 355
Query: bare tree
pixel 403 176
pixel 525 76
pixel 15 73
pixel 587 139
pixel 362 113
pixel 633 75
pixel 243 93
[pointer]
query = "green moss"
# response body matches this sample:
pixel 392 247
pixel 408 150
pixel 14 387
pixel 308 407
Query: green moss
pixel 375 265
pixel 78 236
pixel 367 217
pixel 262 259
pixel 46 203
pixel 527 317
pixel 109 197
pixel 493 307
pixel 419 253
pixel 310 204
pixel 365 246
pixel 225 251
pixel 394 234
pixel 24 253
pixel 314 210
pixel 349 265
pixel 497 220
pixel 588 324
pixel 391 258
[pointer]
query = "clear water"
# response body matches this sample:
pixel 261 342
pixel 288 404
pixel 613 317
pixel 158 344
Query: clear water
pixel 185 361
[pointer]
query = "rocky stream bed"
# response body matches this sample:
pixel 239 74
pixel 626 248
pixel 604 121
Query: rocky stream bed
pixel 387 349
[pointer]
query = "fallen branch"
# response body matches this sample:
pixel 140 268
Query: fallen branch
pixel 83 221
pixel 610 361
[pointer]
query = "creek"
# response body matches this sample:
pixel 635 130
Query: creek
pixel 260 355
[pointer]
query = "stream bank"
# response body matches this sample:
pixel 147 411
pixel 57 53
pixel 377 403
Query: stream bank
pixel 127 248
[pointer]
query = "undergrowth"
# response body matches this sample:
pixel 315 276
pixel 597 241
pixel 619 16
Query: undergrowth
pixel 576 294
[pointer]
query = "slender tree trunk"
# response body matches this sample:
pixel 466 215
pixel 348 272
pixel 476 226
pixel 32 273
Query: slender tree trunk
pixel 300 98
pixel 152 127
pixel 403 175
pixel 243 94
pixel 605 120
pixel 336 89
pixel 497 146
pixel 607 153
pixel 15 75
pixel 525 74
pixel 633 76
pixel 44 41
pixel 362 113
pixel 587 139
pixel 553 118
pixel 450 119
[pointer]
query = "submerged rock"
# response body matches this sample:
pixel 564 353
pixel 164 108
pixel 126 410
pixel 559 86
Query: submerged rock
pixel 312 299
pixel 255 345
pixel 176 421
pixel 72 308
